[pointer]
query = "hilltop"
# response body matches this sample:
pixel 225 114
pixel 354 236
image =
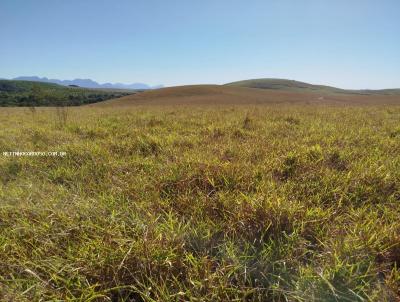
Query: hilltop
pixel 296 86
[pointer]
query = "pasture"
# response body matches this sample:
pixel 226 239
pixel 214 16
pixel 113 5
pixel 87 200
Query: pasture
pixel 172 202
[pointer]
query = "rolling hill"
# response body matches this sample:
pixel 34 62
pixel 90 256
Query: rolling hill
pixel 296 86
pixel 262 91
pixel 239 95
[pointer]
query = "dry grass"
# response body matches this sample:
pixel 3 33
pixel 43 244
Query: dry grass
pixel 201 203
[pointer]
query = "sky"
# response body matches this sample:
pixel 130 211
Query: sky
pixel 344 43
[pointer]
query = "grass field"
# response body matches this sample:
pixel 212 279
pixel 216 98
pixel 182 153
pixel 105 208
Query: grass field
pixel 289 202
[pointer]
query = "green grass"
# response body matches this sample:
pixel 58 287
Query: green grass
pixel 37 94
pixel 296 86
pixel 274 203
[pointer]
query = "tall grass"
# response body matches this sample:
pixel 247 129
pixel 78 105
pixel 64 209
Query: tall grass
pixel 278 203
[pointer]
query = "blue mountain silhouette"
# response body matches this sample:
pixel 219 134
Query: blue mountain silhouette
pixel 88 83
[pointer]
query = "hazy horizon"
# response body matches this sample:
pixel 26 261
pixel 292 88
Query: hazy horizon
pixel 346 44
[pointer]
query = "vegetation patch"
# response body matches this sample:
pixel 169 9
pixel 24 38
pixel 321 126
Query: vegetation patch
pixel 200 203
pixel 38 94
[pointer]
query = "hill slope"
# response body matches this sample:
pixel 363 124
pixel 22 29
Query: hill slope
pixel 235 95
pixel 296 86
pixel 27 93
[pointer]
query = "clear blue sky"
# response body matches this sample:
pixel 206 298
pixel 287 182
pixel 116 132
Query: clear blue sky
pixel 347 43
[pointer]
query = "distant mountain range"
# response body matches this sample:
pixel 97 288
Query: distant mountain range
pixel 87 83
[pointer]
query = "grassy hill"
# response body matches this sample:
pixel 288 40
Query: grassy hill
pixel 236 95
pixel 26 93
pixel 270 91
pixel 296 86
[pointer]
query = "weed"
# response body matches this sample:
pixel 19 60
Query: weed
pixel 292 120
pixel 336 161
pixel 148 146
pixel 61 116
pixel 247 122
pixel 395 133
pixel 288 167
